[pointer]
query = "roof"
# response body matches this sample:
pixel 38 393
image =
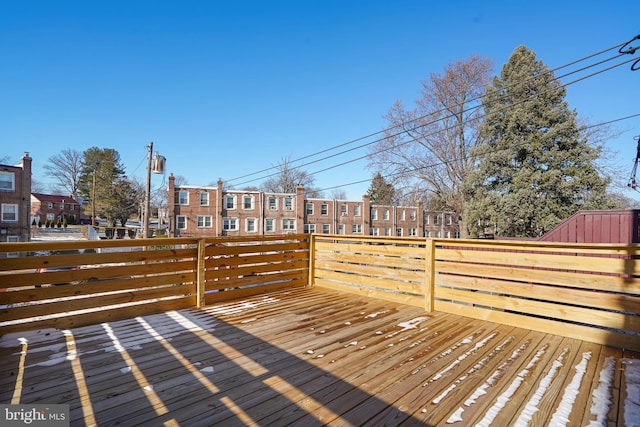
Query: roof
pixel 55 198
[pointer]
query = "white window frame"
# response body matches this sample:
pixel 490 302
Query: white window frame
pixel 230 198
pixel 181 222
pixel 183 201
pixel 250 199
pixel 8 208
pixel 230 224
pixel 203 196
pixel 356 209
pixel 374 215
pixel 356 229
pixel 324 209
pixel 250 225
pixel 288 203
pixel 50 205
pixel 204 221
pixel 272 203
pixel 269 225
pixel 7 184
pixel 385 215
pixel 344 209
pixel 309 208
pixel 309 228
pixel 375 231
pixel 288 224
pixel 326 228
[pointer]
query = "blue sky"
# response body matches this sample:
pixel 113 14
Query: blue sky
pixel 226 89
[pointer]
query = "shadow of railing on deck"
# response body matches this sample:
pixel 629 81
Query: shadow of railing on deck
pixel 191 367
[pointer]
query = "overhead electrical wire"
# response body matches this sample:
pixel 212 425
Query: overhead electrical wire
pixel 391 175
pixel 620 45
pixel 621 53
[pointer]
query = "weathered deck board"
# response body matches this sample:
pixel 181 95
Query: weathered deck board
pixel 310 357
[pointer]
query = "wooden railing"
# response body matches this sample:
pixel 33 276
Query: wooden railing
pixel 585 291
pixel 73 283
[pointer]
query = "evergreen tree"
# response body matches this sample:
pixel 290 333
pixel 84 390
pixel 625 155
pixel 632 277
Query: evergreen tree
pixel 380 192
pixel 536 168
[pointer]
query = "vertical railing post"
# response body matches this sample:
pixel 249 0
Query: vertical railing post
pixel 201 273
pixel 312 258
pixel 429 280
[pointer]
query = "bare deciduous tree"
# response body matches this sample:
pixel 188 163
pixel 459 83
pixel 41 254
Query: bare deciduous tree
pixel 65 168
pixel 425 154
pixel 287 178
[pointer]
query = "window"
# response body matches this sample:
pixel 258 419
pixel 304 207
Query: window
pixel 288 225
pixel 435 221
pixel 272 203
pixel 183 197
pixel 203 221
pixel 309 209
pixel 247 202
pixel 324 209
pixel 412 215
pixel 448 219
pixel 7 181
pixel 374 215
pixel 250 225
pixel 310 228
pixel 269 225
pixel 9 212
pixel 374 232
pixel 181 222
pixel 50 205
pixel 340 228
pixel 326 228
pixel 230 224
pixel 204 198
pixel 413 232
pixel 288 203
pixel 387 231
pixel 456 234
pixel 344 209
pixel 356 210
pixel 403 215
pixel 51 216
pixel 399 232
pixel 356 229
pixel 426 220
pixel 385 215
pixel 72 207
pixel 230 202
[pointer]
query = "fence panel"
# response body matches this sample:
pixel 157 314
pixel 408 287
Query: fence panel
pixel 73 283
pixel 585 291
pixel 387 268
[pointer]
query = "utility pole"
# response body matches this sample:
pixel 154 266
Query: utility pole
pixel 147 196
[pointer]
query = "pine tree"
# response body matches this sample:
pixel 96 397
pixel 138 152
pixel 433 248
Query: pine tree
pixel 380 192
pixel 536 168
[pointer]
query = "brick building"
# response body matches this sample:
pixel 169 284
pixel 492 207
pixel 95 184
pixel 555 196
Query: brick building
pixel 15 201
pixel 207 211
pixel 55 207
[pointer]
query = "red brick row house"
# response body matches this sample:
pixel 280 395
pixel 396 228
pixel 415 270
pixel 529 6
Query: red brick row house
pixel 55 208
pixel 199 211
pixel 15 191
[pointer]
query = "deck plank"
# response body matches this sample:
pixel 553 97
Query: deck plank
pixel 312 357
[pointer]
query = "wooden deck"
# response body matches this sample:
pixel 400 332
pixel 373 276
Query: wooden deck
pixel 315 357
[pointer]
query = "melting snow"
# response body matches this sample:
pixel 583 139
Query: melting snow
pixel 632 402
pixel 532 406
pixel 602 398
pixel 503 399
pixel 561 416
pixel 207 369
pixel 125 370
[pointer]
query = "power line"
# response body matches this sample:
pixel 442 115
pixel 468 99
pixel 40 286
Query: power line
pixel 391 175
pixel 620 46
pixel 442 118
